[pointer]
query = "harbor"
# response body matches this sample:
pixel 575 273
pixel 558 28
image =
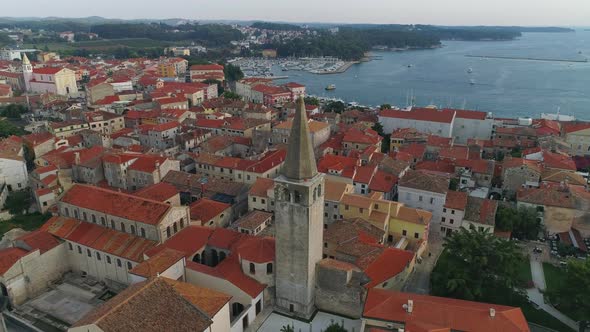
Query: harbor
pixel 261 67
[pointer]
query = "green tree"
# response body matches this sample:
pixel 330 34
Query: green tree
pixel 232 73
pixel 8 129
pixel 18 202
pixel 335 327
pixel 335 106
pixel 478 266
pixel 13 111
pixel 312 101
pixel 454 184
pixel 231 95
pixel 385 107
pixel 522 222
pixel 572 295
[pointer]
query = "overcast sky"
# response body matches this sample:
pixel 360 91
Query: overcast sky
pixel 447 12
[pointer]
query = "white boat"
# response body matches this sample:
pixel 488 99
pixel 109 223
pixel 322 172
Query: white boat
pixel 472 81
pixel 470 70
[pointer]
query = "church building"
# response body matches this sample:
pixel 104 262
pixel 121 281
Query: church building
pixel 61 81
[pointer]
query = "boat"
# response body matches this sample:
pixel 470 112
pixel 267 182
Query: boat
pixel 410 65
pixel 472 81
pixel 331 87
pixel 470 70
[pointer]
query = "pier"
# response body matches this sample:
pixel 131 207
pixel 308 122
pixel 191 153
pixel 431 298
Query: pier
pixel 526 58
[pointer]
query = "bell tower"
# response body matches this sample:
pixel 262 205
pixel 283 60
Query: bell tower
pixel 27 72
pixel 299 213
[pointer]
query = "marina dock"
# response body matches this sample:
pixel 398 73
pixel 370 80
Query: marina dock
pixel 526 58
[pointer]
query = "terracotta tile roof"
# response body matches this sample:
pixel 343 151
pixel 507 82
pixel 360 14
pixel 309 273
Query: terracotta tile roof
pixel 521 162
pixel 337 265
pixel 168 309
pixel 9 256
pixel 426 182
pixel 147 163
pixel 60 226
pixel 314 126
pixel 206 209
pixel 38 138
pixel 224 238
pixel 158 263
pixel 47 70
pixel 574 127
pixel 456 200
pixel 562 176
pixel 387 265
pixel 208 300
pixel 335 190
pixel 457 315
pixel 421 114
pixel 115 203
pixel 257 249
pixel 454 152
pixel 206 67
pixel 547 196
pixel 39 239
pixel 415 216
pixel 439 166
pixel 383 182
pixel 481 166
pixel 261 187
pixel 480 210
pixel 189 241
pixel 160 192
pixel 344 231
pixel 473 115
pixel 559 161
pixel 438 141
pixel 253 219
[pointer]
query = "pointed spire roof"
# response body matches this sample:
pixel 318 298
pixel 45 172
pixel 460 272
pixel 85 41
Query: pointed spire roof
pixel 26 59
pixel 300 162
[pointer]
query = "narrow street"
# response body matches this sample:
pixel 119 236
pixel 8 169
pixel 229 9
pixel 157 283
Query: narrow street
pixel 419 280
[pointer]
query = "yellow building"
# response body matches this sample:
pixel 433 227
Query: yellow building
pixel 578 137
pixel 167 69
pixel 405 227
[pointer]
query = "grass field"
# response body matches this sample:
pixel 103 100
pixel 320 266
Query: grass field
pixel 105 44
pixel 541 317
pixel 524 272
pixel 554 278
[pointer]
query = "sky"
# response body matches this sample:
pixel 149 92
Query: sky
pixel 441 12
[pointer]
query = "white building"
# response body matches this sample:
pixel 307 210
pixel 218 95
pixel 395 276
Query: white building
pixel 438 122
pixel 424 191
pixel 472 124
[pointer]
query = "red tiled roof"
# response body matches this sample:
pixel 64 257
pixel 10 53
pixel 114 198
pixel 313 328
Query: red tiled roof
pixel 116 203
pixel 473 115
pixel 261 186
pixel 439 312
pixel 257 249
pixel 421 114
pixel 206 209
pixel 161 192
pixel 10 256
pixel 39 239
pixel 189 240
pixel 383 182
pixel 572 128
pixel 47 70
pixel 206 67
pixel 224 238
pixel 388 264
pixel 456 200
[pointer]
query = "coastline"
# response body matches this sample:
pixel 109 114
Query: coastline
pixel 342 68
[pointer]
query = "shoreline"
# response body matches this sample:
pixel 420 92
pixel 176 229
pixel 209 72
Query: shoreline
pixel 342 68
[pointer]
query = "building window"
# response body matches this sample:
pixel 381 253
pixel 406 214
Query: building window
pixel 253 199
pixel 252 268
pixel 444 209
pixel 443 219
pixel 269 268
pixel 452 211
pixel 119 262
pixel 325 244
pixel 122 227
pixel 175 227
pixel 93 219
pixel 431 200
pixel 67 211
pixel 420 198
pixel 346 207
pixel 404 232
pixel 70 246
pixel 84 216
pixel 142 230
pixel 132 229
pixel 181 223
pixel 452 221
pixel 129 266
pixel 168 232
pixel 108 259
pixel 112 224
pixel 79 250
pixel 98 255
pixel 103 221
pixel 416 235
pixel 88 253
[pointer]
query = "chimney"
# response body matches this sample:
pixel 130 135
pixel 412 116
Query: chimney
pixel 492 312
pixel 77 158
pixel 409 307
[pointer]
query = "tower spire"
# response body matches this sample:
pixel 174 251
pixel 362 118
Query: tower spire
pixel 26 59
pixel 300 162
